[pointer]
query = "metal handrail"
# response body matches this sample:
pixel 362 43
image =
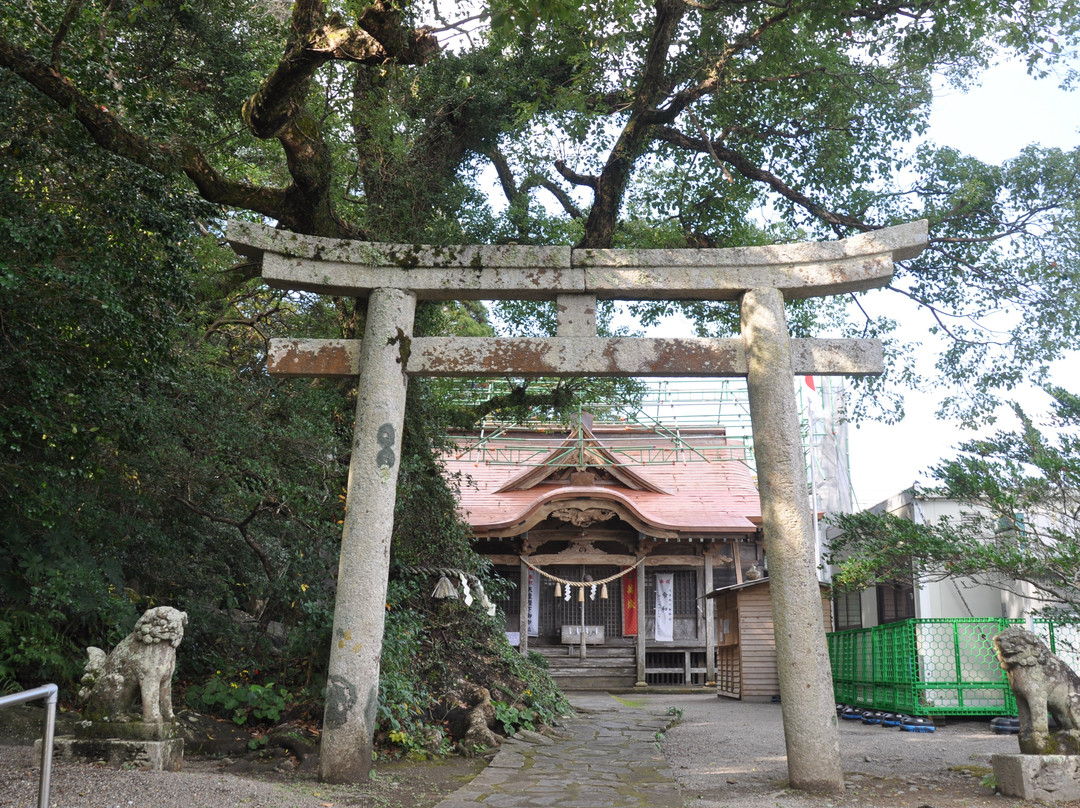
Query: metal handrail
pixel 47 692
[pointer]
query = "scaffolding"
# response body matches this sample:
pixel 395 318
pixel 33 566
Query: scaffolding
pixel 672 421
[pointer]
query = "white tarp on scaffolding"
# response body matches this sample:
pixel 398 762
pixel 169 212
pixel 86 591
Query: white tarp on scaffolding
pixel 665 608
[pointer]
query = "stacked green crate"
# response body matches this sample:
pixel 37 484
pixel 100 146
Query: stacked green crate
pixel 922 667
pixel 958 671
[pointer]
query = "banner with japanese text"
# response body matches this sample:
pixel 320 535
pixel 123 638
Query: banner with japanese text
pixel 665 607
pixel 629 604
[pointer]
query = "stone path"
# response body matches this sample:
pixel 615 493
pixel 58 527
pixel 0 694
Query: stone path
pixel 605 757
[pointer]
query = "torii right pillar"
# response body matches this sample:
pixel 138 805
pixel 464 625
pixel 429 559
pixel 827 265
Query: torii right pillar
pixel 802 654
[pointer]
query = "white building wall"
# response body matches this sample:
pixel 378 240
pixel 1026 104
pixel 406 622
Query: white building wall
pixel 952 597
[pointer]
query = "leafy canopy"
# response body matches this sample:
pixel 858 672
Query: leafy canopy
pixel 669 123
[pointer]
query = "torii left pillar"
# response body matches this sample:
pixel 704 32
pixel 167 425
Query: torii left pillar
pixel 360 605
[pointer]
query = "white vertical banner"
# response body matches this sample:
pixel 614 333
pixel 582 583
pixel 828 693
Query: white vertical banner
pixel 534 604
pixel 665 607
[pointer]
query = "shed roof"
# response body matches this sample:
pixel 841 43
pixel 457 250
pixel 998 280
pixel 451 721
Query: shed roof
pixel 747 584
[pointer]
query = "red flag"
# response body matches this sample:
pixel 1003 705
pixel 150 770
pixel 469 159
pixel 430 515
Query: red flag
pixel 629 604
pixel 810 383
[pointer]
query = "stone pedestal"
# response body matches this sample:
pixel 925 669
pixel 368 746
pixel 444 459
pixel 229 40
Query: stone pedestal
pixel 119 752
pixel 1042 778
pixel 124 730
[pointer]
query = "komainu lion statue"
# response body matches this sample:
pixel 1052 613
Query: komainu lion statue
pixel 144 661
pixel 1042 684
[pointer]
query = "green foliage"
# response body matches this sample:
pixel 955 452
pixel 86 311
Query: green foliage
pixel 147 457
pixel 31 649
pixel 239 700
pixel 404 698
pixel 1018 490
pixel 514 717
pixel 430 647
pixel 676 124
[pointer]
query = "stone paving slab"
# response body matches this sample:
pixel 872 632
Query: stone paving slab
pixel 606 756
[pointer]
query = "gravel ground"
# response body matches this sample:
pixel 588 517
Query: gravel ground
pixel 723 753
pixel 87 786
pixel 729 753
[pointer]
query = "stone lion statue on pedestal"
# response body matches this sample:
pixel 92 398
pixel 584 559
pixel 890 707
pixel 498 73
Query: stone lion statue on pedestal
pixel 144 661
pixel 1042 684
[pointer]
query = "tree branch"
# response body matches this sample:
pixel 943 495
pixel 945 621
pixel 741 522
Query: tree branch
pixel 564 198
pixel 754 172
pixel 62 29
pixel 506 176
pixel 588 180
pixel 241 526
pixel 636 133
pixel 163 158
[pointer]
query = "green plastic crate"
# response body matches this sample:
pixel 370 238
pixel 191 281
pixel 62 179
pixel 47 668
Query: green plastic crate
pixel 924 667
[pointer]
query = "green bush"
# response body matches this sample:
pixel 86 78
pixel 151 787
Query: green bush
pixel 239 701
pixel 513 717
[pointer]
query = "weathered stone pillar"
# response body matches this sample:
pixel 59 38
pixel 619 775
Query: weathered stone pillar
pixel 802 657
pixel 352 691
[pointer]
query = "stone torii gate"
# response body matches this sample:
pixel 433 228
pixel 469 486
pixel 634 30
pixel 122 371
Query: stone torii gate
pixel 393 277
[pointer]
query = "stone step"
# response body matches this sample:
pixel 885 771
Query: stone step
pixel 590 662
pixel 557 652
pixel 594 670
pixel 592 683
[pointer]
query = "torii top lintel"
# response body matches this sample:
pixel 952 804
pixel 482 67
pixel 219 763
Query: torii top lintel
pixel 354 268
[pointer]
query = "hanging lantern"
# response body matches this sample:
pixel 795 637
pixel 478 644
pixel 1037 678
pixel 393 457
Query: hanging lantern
pixel 444 589
pixel 603 592
pixel 558 589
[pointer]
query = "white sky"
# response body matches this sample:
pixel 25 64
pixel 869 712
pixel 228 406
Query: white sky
pixel 1007 112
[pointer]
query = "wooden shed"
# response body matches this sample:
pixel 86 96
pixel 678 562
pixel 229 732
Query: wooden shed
pixel 746 645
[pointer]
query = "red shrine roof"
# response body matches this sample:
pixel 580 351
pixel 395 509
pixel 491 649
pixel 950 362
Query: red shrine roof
pixel 686 483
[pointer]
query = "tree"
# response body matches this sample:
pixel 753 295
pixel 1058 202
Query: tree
pixel 1021 490
pixel 146 457
pixel 671 123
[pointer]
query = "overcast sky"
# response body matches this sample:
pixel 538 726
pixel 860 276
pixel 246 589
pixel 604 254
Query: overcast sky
pixel 993 123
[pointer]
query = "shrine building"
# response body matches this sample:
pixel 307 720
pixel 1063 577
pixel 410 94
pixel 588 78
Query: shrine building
pixel 616 532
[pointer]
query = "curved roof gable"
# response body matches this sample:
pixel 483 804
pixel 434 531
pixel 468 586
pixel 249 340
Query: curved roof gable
pixel 596 454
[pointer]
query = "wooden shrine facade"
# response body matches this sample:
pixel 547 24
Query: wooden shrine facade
pixel 667 517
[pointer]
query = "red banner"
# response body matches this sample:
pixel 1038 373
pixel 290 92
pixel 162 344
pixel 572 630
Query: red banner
pixel 629 604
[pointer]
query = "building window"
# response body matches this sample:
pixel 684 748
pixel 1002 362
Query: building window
pixel 847 610
pixel 895 602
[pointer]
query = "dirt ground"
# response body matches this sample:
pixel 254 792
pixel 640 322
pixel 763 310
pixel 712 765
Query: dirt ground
pixel 729 753
pixel 210 783
pixel 270 777
pixel 722 753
